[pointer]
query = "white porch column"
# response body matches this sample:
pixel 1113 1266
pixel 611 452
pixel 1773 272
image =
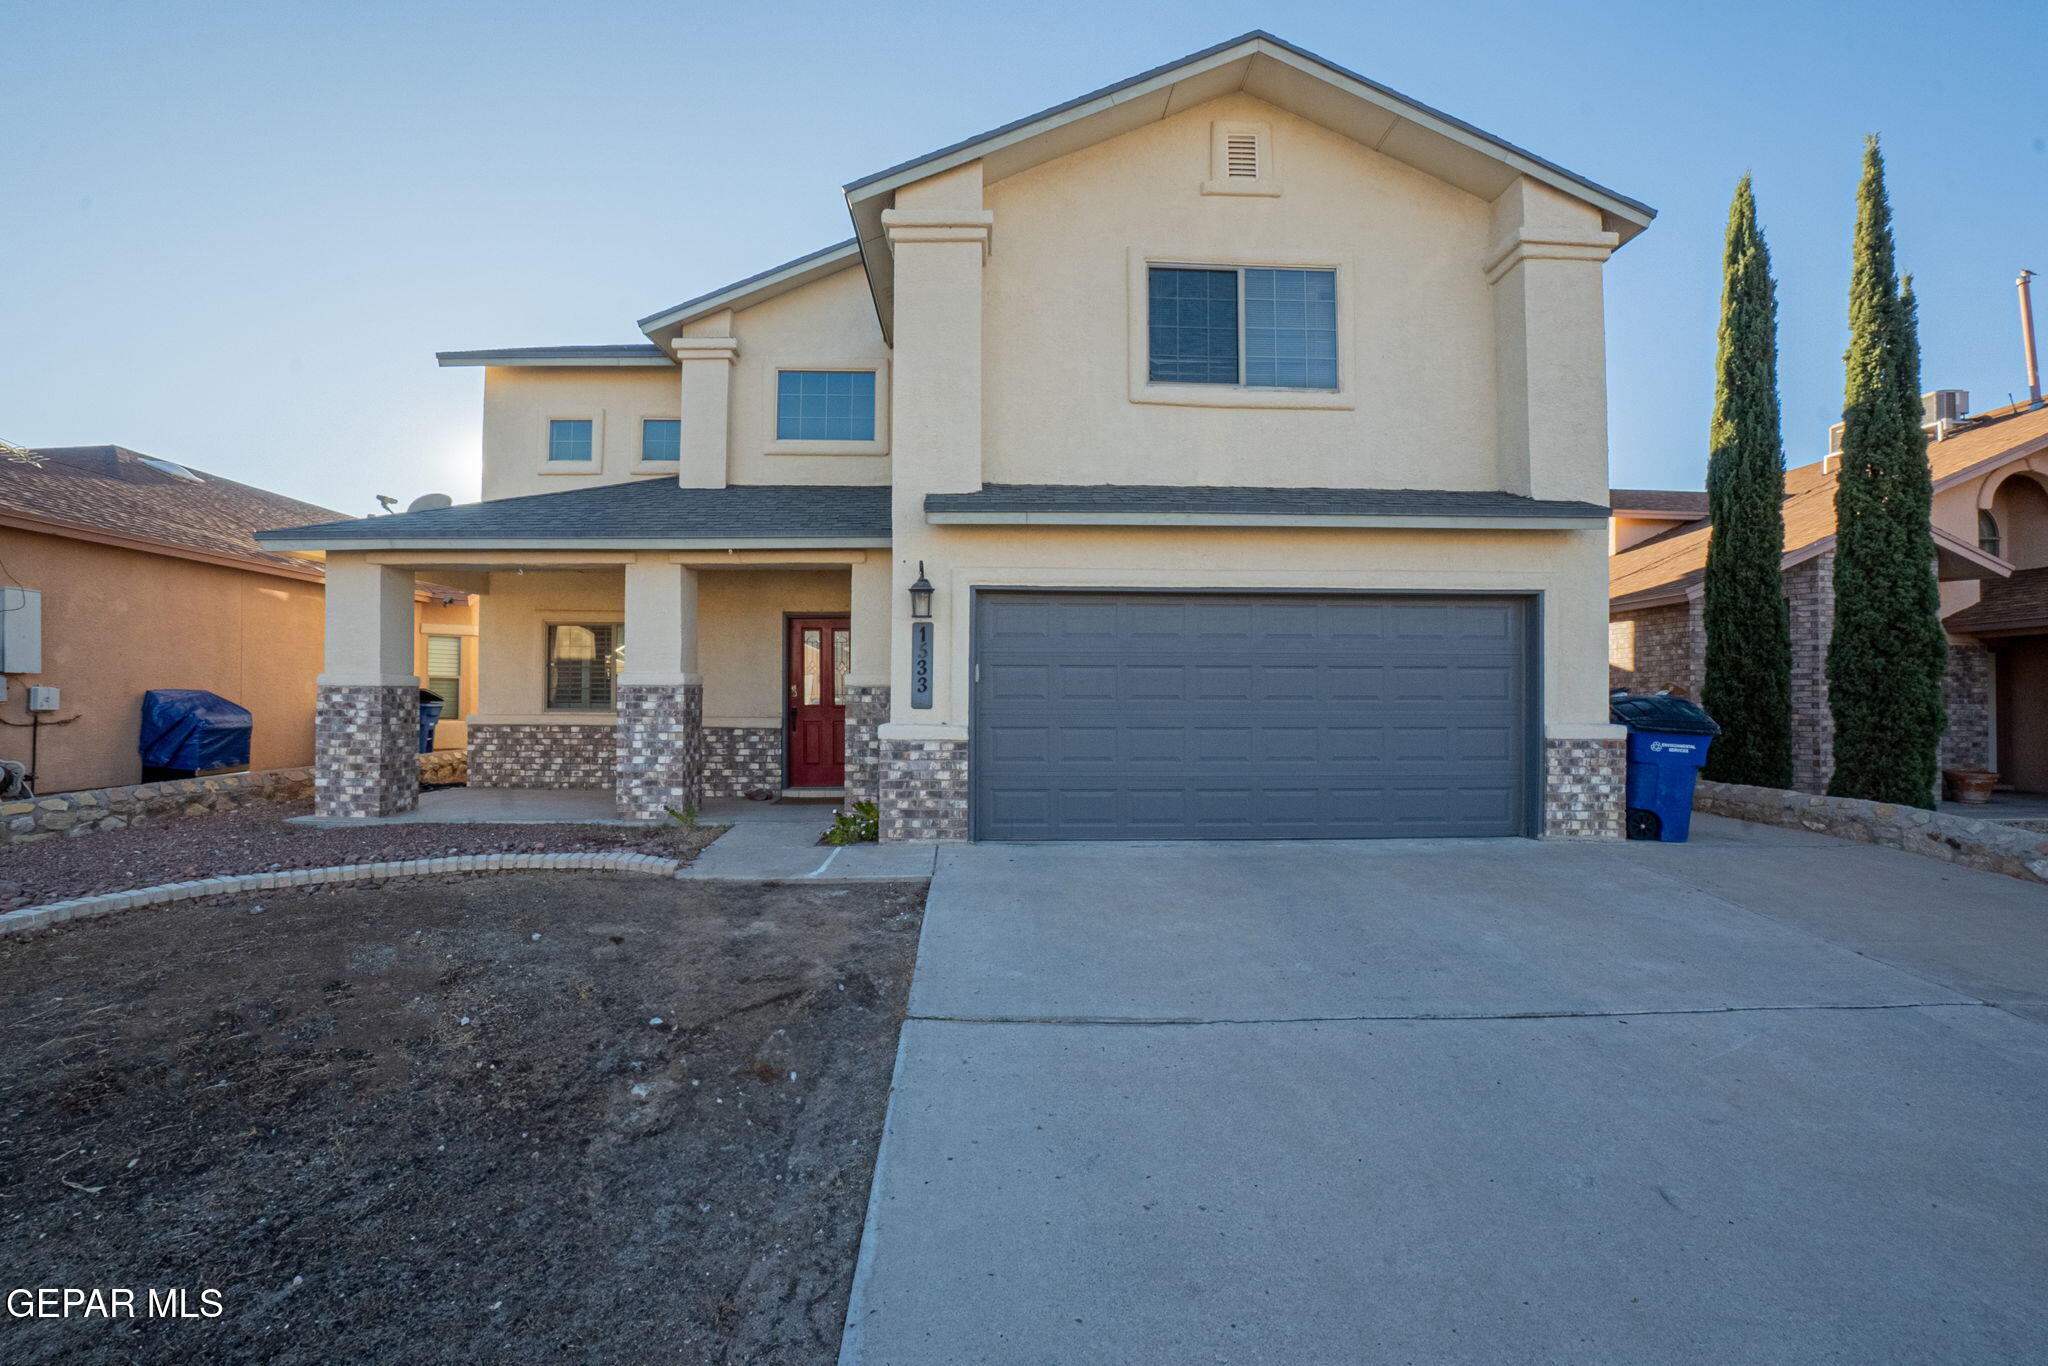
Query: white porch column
pixel 867 681
pixel 706 364
pixel 939 236
pixel 366 718
pixel 661 694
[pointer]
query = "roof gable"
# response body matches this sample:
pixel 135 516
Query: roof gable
pixel 1267 68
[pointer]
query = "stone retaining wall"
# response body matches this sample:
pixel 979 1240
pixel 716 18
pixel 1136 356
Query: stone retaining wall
pixel 117 808
pixel 1986 845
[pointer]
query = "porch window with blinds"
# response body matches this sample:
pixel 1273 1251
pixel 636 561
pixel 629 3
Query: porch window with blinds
pixel 583 666
pixel 444 671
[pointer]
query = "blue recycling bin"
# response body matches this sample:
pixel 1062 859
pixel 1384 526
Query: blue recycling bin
pixel 431 704
pixel 1667 743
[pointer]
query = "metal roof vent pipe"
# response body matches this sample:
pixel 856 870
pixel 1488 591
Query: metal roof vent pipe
pixel 2027 338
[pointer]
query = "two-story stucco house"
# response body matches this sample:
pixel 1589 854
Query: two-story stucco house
pixel 1245 421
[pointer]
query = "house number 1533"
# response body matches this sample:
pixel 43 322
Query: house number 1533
pixel 921 664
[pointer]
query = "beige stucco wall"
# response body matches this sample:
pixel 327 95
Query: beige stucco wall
pixel 1059 314
pixel 828 324
pixel 739 636
pixel 520 402
pixel 1558 565
pixel 450 619
pixel 118 622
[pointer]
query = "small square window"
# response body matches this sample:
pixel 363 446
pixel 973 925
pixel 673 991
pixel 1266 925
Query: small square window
pixel 569 439
pixel 661 438
pixel 825 405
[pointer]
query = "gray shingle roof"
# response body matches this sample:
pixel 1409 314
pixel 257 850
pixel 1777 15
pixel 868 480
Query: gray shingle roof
pixel 1178 499
pixel 645 511
pixel 1687 501
pixel 615 353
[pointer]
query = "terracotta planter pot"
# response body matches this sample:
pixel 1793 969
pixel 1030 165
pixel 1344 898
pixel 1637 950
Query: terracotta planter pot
pixel 1971 786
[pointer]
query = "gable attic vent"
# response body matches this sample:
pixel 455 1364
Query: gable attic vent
pixel 1240 160
pixel 1241 155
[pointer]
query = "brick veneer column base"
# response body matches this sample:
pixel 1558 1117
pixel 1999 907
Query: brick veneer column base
pixel 923 789
pixel 742 759
pixel 660 749
pixel 867 707
pixel 1585 789
pixel 366 739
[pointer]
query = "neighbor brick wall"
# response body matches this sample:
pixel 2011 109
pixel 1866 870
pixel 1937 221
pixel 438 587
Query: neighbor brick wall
pixel 1966 693
pixel 1810 596
pixel 1653 648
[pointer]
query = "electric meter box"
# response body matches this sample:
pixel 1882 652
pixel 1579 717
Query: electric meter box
pixel 43 699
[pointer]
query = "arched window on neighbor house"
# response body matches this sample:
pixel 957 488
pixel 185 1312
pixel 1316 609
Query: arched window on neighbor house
pixel 1987 532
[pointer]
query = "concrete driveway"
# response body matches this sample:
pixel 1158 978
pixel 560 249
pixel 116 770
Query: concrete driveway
pixel 1765 1097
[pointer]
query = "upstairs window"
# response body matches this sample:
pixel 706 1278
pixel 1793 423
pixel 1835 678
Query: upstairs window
pixel 1250 326
pixel 661 438
pixel 1988 539
pixel 583 666
pixel 569 439
pixel 825 405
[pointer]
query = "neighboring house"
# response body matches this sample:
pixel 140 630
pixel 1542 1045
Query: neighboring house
pixel 1246 419
pixel 1990 525
pixel 147 577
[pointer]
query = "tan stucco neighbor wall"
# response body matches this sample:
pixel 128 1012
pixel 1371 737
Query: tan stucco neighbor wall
pixel 119 622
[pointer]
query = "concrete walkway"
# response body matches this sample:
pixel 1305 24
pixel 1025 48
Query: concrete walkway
pixel 779 840
pixel 1765 1097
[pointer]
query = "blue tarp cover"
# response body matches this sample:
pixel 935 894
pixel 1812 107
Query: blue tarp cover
pixel 193 728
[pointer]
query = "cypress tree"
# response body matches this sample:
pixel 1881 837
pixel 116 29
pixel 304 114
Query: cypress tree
pixel 1748 686
pixel 1886 658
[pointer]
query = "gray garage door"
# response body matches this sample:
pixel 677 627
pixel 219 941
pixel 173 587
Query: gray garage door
pixel 1242 716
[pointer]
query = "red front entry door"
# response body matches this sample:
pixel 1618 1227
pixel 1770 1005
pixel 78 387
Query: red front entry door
pixel 819 651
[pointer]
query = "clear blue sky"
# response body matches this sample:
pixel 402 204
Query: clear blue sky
pixel 234 235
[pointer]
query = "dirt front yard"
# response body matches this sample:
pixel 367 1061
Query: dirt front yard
pixel 523 1118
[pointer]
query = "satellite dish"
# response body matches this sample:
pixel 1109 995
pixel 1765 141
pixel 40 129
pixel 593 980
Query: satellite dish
pixel 428 502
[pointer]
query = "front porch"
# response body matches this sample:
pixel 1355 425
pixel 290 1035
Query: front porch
pixel 635 684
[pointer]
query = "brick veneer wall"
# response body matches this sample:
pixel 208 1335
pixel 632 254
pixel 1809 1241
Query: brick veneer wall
pixel 659 749
pixel 365 749
pixel 541 754
pixel 867 708
pixel 1657 647
pixel 923 790
pixel 742 759
pixel 1810 594
pixel 1966 694
pixel 1584 789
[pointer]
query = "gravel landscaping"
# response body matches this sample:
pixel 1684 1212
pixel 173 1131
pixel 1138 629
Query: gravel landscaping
pixel 258 840
pixel 527 1118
